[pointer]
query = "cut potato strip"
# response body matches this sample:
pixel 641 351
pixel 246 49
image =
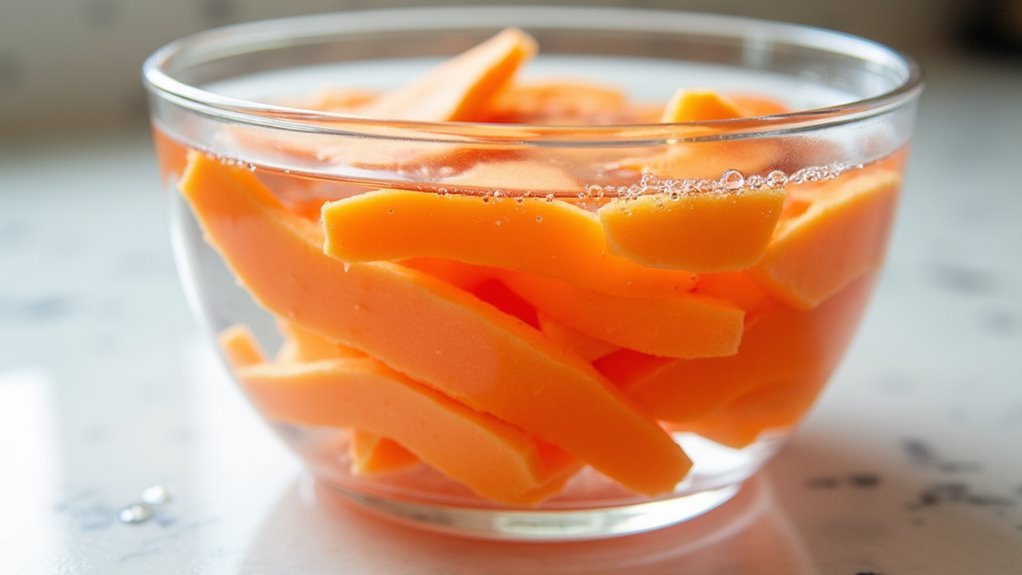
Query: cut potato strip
pixel 685 325
pixel 301 345
pixel 782 344
pixel 578 343
pixel 699 106
pixel 775 407
pixel 554 238
pixel 372 454
pixel 240 347
pixel 460 88
pixel 494 459
pixel 525 175
pixel 840 236
pixel 562 102
pixel 428 330
pixel 701 232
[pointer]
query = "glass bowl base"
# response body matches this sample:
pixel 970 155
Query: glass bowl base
pixel 541 524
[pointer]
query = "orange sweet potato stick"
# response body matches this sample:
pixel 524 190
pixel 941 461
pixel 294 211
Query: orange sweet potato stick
pixel 509 466
pixel 554 238
pixel 837 239
pixel 239 347
pixel 698 106
pixel 684 325
pixel 371 454
pixel 301 345
pixel 428 330
pixel 460 88
pixel 582 345
pixel 701 232
pixel 782 344
pixel 494 459
pixel 774 407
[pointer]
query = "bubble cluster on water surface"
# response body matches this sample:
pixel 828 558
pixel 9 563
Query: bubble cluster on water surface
pixel 730 182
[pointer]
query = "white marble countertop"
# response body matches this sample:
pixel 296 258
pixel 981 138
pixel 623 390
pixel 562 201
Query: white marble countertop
pixel 910 464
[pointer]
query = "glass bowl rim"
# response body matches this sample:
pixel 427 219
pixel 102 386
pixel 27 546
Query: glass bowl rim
pixel 278 32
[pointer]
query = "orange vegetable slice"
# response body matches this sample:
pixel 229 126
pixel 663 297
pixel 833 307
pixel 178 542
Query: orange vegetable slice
pixel 752 105
pixel 459 89
pixel 838 238
pixel 699 106
pixel 783 343
pixel 739 290
pixel 524 175
pixel 775 407
pixel 554 238
pixel 578 343
pixel 702 232
pixel 685 325
pixel 577 102
pixel 373 454
pixel 239 347
pixel 369 453
pixel 705 160
pixel 461 275
pixel 301 345
pixel 428 330
pixel 494 459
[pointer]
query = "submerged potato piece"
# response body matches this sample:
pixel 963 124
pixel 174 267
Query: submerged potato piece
pixel 578 343
pixel 553 238
pixel 782 344
pixel 494 459
pixel 528 175
pixel 562 101
pixel 774 407
pixel 429 330
pixel 372 454
pixel 685 325
pixel 369 452
pixel 708 159
pixel 460 88
pixel 839 237
pixel 240 347
pixel 699 106
pixel 701 232
pixel 301 345
pixel 738 289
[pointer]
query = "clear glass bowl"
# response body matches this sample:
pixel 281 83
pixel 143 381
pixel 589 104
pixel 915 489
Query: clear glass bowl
pixel 502 363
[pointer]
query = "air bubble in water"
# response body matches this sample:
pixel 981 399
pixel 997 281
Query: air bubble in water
pixel 549 198
pixel 705 186
pixel 251 167
pixel 755 182
pixel 441 191
pixel 776 179
pixel 732 180
pixel 498 195
pixel 539 219
pixel 496 223
pixel 346 266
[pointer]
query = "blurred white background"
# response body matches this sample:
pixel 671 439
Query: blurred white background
pixel 74 64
